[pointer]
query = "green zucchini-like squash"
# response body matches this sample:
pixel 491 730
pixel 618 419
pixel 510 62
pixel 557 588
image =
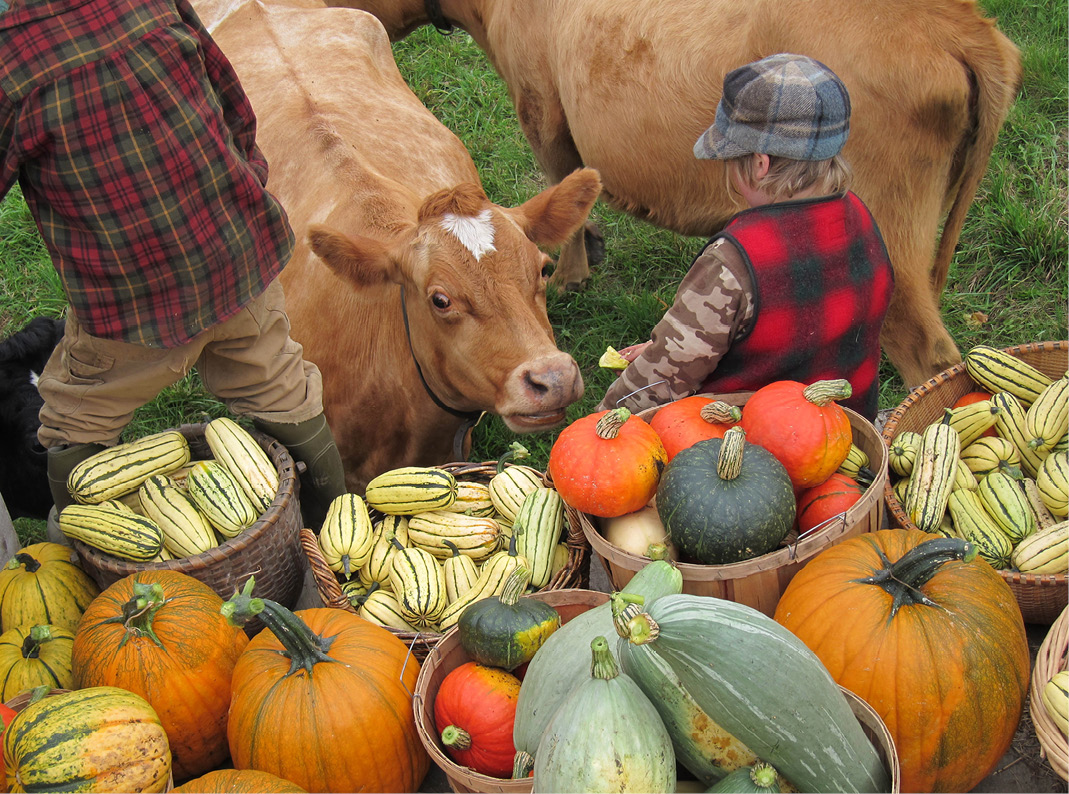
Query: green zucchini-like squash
pixel 606 736
pixel 564 659
pixel 765 687
pixel 505 631
pixel 723 500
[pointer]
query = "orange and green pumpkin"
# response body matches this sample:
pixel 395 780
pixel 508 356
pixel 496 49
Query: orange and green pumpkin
pixel 100 739
pixel 44 584
pixel 161 634
pixel 33 656
pixel 930 636
pixel 323 698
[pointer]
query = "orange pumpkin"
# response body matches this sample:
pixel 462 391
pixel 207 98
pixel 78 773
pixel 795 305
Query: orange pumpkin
pixel 160 635
pixel 238 781
pixel 975 397
pixel 607 463
pixel 822 503
pixel 930 636
pixel 803 426
pixel 683 423
pixel 474 711
pixel 323 698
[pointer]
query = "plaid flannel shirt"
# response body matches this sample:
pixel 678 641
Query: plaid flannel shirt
pixel 134 145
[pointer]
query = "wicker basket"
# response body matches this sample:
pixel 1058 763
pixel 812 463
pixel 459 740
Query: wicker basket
pixel 1040 596
pixel 574 573
pixel 1050 658
pixel 759 582
pixel 270 548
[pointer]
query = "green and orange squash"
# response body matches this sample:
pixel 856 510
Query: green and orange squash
pixel 474 712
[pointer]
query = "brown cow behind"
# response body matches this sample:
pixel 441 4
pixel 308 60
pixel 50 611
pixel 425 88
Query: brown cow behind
pixel 627 86
pixel 390 202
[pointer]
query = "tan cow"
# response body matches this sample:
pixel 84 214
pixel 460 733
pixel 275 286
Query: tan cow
pixel 404 240
pixel 627 86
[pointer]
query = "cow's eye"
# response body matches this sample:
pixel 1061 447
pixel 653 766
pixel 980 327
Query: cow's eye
pixel 548 268
pixel 441 301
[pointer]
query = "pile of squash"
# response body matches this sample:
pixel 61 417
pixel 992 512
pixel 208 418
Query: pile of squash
pixel 709 483
pixel 441 543
pixel 147 501
pixel 153 681
pixel 994 469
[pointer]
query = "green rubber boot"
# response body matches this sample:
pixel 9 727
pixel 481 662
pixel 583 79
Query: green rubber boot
pixel 312 443
pixel 61 462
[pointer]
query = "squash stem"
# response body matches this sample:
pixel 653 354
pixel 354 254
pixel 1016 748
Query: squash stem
pixel 608 426
pixel 37 636
pixel 823 392
pixel 602 665
pixel 456 737
pixel 303 646
pixel 516 451
pixel 515 586
pixel 139 613
pixel 719 412
pixel 31 563
pixel 729 457
pixel 620 604
pixel 904 578
pixel 522 765
pixel 764 775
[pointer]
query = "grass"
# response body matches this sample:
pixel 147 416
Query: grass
pixel 1007 283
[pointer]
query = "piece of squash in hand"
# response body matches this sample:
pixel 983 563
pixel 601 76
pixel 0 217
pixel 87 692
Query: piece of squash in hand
pixel 636 532
pixel 505 631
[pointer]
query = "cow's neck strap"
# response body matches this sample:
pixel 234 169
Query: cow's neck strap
pixel 437 18
pixel 471 418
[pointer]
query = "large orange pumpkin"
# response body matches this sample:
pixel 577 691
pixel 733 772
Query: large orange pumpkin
pixel 607 463
pixel 930 636
pixel 160 634
pixel 238 781
pixel 323 698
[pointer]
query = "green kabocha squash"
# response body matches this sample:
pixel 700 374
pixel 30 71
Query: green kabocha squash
pixel 755 779
pixel 765 687
pixel 605 737
pixel 564 659
pixel 505 631
pixel 723 500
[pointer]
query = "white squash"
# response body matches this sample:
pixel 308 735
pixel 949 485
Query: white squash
pixel 636 532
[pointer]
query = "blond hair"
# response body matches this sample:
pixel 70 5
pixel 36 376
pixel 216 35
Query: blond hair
pixel 787 178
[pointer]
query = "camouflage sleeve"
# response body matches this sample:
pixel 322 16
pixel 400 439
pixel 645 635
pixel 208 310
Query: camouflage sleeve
pixel 712 305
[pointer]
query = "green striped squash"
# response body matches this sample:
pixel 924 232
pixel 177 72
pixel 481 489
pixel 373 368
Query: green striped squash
pixel 411 489
pixel 538 526
pixel 99 739
pixel 118 532
pixel 219 497
pixel 121 469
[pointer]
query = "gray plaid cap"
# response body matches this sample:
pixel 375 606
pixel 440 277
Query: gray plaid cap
pixel 783 105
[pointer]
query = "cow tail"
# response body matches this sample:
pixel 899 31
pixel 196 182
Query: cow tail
pixel 993 68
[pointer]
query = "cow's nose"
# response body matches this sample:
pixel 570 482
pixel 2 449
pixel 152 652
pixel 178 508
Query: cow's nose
pixel 554 380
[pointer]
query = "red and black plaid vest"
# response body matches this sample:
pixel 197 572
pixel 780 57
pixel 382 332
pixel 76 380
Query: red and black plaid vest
pixel 822 281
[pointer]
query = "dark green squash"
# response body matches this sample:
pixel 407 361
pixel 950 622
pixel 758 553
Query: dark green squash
pixel 757 779
pixel 723 500
pixel 505 631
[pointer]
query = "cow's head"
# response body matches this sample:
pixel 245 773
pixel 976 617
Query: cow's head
pixel 474 286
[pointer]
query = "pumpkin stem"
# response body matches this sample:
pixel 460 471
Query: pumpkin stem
pixel 763 775
pixel 37 636
pixel 515 586
pixel 602 665
pixel 904 578
pixel 303 646
pixel 608 426
pixel 516 451
pixel 729 458
pixel 823 392
pixel 630 622
pixel 139 612
pixel 456 737
pixel 22 558
pixel 719 412
pixel 39 693
pixel 522 765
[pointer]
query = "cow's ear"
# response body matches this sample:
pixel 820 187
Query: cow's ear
pixel 553 215
pixel 362 260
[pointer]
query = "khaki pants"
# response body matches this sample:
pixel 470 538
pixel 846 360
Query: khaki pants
pixel 91 386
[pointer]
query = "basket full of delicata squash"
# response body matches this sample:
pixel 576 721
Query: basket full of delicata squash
pixel 981 452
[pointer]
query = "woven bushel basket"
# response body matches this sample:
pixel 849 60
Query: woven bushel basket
pixel 1041 597
pixel 1050 659
pixel 269 549
pixel 574 573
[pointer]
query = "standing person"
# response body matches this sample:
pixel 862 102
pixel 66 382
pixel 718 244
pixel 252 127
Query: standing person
pixel 134 145
pixel 796 286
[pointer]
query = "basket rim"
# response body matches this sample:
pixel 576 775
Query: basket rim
pixel 287 490
pixel 1050 658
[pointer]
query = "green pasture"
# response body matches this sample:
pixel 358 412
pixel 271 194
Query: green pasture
pixel 1008 281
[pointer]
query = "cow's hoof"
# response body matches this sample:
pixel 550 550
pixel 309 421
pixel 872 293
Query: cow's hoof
pixel 575 286
pixel 594 244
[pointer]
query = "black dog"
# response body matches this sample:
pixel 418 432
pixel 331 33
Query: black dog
pixel 23 461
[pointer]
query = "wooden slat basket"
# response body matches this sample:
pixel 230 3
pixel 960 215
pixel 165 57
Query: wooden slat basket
pixel 1050 659
pixel 574 573
pixel 760 582
pixel 269 549
pixel 1041 597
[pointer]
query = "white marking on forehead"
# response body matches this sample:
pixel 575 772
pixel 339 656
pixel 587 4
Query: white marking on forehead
pixel 474 233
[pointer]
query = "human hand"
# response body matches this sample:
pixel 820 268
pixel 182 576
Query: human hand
pixel 631 352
